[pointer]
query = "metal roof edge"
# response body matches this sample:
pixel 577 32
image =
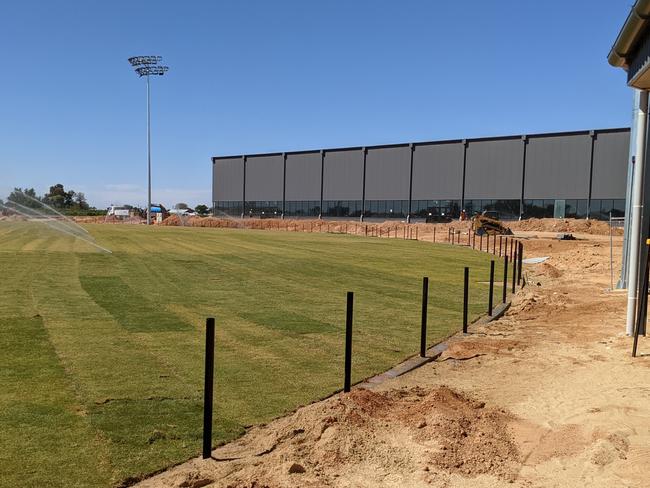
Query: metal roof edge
pixel 429 143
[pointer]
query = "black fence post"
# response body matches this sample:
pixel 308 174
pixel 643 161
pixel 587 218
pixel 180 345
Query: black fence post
pixel 505 278
pixel 348 342
pixel 514 269
pixel 423 329
pixel 480 243
pixel 465 299
pixel 490 298
pixel 500 244
pixel 208 388
pixel 520 263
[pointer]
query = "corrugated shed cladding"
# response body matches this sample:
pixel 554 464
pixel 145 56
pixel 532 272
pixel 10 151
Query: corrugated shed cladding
pixel 610 164
pixel 228 179
pixel 438 171
pixel 557 167
pixel 303 176
pixel 494 169
pixel 388 173
pixel 343 175
pixel 264 178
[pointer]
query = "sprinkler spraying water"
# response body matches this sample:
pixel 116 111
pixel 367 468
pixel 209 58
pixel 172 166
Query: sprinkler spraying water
pixel 54 220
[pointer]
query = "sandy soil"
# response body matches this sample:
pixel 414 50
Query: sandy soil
pixel 396 228
pixel 546 396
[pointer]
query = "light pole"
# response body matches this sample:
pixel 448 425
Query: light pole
pixel 146 66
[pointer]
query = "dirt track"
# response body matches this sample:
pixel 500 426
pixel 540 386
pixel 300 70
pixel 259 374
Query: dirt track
pixel 546 396
pixel 394 228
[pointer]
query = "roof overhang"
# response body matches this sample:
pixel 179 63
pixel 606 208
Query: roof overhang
pixel 628 43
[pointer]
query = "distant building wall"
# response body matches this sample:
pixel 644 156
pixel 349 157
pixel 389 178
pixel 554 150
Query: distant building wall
pixel 570 174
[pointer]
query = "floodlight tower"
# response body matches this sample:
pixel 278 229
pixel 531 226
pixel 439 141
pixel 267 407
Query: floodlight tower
pixel 147 66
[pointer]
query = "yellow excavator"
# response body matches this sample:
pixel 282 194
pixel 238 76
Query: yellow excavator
pixel 488 223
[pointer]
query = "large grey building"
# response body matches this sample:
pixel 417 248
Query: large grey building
pixel 568 174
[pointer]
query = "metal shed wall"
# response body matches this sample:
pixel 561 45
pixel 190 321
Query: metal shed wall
pixel 438 171
pixel 610 165
pixel 557 167
pixel 264 178
pixel 303 176
pixel 228 179
pixel 494 169
pixel 388 173
pixel 343 175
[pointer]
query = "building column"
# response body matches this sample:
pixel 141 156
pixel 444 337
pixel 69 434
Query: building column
pixel 243 191
pixel 640 126
pixel 593 135
pixel 284 183
pixel 363 190
pixel 462 195
pixel 322 174
pixel 524 140
pixel 408 216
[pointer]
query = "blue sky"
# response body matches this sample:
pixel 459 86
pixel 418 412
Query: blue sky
pixel 258 76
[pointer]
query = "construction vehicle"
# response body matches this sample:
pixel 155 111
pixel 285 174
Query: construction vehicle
pixel 435 218
pixel 487 224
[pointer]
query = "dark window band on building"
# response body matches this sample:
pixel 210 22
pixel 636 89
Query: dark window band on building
pixel 227 209
pixel 436 208
pixel 387 208
pixel 342 208
pixel 508 209
pixel 308 208
pixel 574 208
pixel 263 208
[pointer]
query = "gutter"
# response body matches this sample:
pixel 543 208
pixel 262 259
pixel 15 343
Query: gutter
pixel 629 35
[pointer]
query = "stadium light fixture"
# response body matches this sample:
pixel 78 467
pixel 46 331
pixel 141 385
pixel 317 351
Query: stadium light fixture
pixel 148 66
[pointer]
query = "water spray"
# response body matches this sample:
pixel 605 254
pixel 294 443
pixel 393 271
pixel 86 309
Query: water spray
pixel 33 214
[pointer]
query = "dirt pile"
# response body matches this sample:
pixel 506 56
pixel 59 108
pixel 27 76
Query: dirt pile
pixel 581 226
pixel 12 218
pixel 392 228
pixel 426 433
pixel 107 219
pixel 176 220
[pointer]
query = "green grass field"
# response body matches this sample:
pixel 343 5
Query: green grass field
pixel 102 363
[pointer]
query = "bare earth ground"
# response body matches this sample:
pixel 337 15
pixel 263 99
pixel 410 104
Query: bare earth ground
pixel 546 396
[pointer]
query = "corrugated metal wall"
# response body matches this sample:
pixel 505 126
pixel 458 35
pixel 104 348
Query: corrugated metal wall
pixel 264 178
pixel 303 176
pixel 388 173
pixel 557 167
pixel 610 167
pixel 343 175
pixel 494 169
pixel 438 171
pixel 228 179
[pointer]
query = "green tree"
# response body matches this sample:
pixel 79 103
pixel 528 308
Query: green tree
pixel 57 196
pixel 26 197
pixel 80 201
pixel 202 210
